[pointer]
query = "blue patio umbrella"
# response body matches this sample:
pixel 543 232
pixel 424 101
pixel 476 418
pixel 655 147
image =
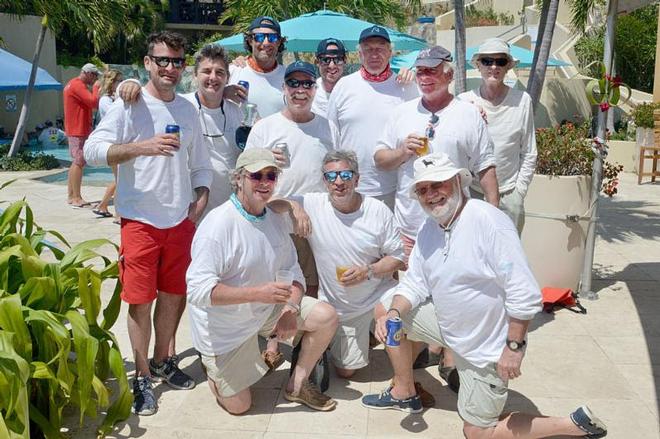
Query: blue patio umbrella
pixel 303 33
pixel 15 74
pixel 523 55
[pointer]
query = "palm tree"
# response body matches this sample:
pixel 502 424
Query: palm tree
pixel 542 49
pixel 102 20
pixel 459 50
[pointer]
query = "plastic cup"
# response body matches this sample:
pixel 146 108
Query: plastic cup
pixel 340 270
pixel 284 276
pixel 424 149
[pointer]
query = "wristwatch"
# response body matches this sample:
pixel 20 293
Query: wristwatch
pixel 370 271
pixel 515 345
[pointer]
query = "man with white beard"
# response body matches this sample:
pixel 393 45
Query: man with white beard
pixel 468 287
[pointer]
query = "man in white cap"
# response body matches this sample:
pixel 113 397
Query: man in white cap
pixel 510 117
pixel 81 97
pixel 244 281
pixel 480 309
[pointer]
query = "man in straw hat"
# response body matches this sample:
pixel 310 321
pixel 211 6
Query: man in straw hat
pixel 480 309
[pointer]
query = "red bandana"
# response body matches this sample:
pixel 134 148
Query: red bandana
pixel 381 77
pixel 254 66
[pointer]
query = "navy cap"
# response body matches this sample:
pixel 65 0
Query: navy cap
pixel 374 31
pixel 300 66
pixel 322 48
pixel 265 21
pixel 432 57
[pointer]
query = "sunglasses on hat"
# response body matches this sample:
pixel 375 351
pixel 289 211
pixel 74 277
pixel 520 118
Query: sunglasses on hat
pixel 499 62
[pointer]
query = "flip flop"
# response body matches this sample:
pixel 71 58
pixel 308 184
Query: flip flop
pixel 81 205
pixel 102 213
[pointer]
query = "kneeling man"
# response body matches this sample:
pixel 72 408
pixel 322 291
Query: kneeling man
pixel 468 287
pixel 241 255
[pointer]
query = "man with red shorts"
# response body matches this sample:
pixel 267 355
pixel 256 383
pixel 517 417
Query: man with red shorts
pixel 156 176
pixel 79 103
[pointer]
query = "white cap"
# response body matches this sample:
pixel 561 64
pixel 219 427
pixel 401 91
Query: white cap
pixel 494 46
pixel 90 68
pixel 437 167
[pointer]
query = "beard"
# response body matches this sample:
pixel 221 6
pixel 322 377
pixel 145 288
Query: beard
pixel 445 213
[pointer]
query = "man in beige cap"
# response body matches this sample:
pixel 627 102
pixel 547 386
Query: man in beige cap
pixel 481 309
pixel 244 281
pixel 510 117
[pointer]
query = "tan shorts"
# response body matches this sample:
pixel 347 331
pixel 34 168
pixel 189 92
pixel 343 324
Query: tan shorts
pixel 306 260
pixel 482 394
pixel 350 346
pixel 243 366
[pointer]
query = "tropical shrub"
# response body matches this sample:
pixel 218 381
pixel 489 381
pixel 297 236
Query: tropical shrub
pixel 486 17
pixel 54 352
pixel 26 160
pixel 642 114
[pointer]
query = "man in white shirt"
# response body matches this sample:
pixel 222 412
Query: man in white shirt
pixel 468 286
pixel 330 59
pixel 244 281
pixel 510 117
pixel 361 104
pixel 157 174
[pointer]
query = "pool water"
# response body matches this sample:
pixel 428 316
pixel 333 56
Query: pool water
pixel 100 176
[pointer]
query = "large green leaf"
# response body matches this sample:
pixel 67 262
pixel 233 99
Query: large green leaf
pixel 121 408
pixel 89 290
pixel 86 349
pixel 39 293
pixel 10 216
pixel 111 311
pixel 12 319
pixel 84 252
pixel 15 372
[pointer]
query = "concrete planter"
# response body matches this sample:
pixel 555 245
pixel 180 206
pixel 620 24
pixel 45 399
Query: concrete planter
pixel 554 247
pixel 624 152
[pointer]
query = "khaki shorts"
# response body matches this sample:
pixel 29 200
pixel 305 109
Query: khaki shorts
pixel 350 346
pixel 482 394
pixel 306 260
pixel 243 366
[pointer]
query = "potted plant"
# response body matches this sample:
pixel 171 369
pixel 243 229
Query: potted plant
pixel 557 205
pixel 642 116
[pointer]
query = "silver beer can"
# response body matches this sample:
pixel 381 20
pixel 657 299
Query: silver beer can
pixel 284 149
pixel 251 114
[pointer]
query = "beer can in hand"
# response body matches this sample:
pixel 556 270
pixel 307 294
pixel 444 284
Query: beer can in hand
pixel 173 129
pixel 245 85
pixel 394 327
pixel 284 150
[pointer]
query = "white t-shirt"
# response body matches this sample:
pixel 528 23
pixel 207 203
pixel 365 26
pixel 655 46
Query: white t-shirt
pixel 344 239
pixel 460 133
pixel 230 249
pixel 307 142
pixel 155 190
pixel 51 138
pixel 320 104
pixel 511 125
pixel 360 110
pixel 105 102
pixel 223 151
pixel 482 281
pixel 265 88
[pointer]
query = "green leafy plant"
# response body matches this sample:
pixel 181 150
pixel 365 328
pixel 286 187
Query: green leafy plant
pixel 26 160
pixel 642 114
pixel 54 352
pixel 486 17
pixel 567 150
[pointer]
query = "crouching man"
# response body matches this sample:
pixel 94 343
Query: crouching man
pixel 238 289
pixel 468 287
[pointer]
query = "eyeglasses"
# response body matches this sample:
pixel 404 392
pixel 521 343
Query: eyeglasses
pixel 295 83
pixel 430 129
pixel 331 176
pixel 164 61
pixel 425 189
pixel 499 62
pixel 205 133
pixel 326 60
pixel 261 37
pixel 258 176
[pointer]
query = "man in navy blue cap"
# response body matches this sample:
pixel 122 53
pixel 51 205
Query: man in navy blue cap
pixel 265 76
pixel 360 105
pixel 330 59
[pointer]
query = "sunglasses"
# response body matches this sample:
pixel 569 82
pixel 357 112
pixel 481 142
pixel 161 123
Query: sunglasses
pixel 164 61
pixel 258 176
pixel 295 83
pixel 430 129
pixel 331 176
pixel 261 37
pixel 326 60
pixel 499 62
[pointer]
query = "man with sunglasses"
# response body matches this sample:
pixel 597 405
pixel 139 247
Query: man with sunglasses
pixel 157 174
pixel 330 59
pixel 264 42
pixel 510 123
pixel 237 291
pixel 361 104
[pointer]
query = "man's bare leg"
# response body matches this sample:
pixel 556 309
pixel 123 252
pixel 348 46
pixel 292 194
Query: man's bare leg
pixel 139 333
pixel 73 185
pixel 167 315
pixel 235 405
pixel 524 426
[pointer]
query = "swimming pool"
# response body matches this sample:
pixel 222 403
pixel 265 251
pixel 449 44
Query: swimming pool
pixel 91 176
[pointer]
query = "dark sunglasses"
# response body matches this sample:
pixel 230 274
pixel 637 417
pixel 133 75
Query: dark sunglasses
pixel 331 176
pixel 430 129
pixel 164 61
pixel 261 37
pixel 258 176
pixel 326 60
pixel 295 83
pixel 499 62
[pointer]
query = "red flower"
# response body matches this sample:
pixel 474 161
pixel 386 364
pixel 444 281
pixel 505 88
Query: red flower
pixel 604 106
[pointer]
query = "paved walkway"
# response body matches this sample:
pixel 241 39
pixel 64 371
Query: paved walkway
pixel 609 358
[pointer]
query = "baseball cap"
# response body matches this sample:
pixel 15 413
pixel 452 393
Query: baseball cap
pixel 256 159
pixel 300 66
pixel 90 68
pixel 265 21
pixel 493 46
pixel 437 167
pixel 322 48
pixel 374 31
pixel 432 57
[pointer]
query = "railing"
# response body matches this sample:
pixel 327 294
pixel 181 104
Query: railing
pixel 195 11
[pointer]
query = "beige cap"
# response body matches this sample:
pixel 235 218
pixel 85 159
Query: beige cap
pixel 256 159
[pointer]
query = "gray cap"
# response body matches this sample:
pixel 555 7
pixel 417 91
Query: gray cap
pixel 90 68
pixel 432 57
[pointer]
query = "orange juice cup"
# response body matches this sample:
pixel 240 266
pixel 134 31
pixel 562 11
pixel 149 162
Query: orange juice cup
pixel 340 272
pixel 424 149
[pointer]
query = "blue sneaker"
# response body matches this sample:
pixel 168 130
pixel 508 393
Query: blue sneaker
pixel 587 422
pixel 144 400
pixel 386 401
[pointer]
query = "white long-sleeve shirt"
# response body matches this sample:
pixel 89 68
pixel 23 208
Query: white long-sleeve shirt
pixel 155 190
pixel 511 125
pixel 477 276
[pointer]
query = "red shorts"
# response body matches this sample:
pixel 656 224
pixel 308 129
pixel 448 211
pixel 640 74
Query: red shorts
pixel 152 259
pixel 76 146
